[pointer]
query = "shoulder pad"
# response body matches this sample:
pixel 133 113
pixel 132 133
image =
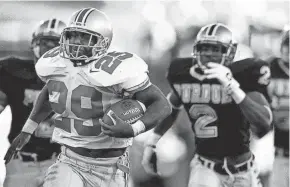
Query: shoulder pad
pixel 116 67
pixel 248 64
pixel 179 66
pixel 50 64
pixel 252 74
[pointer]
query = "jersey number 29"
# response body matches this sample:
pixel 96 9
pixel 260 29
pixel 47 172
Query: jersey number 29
pixel 85 104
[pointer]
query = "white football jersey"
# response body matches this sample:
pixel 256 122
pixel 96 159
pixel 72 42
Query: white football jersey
pixel 80 95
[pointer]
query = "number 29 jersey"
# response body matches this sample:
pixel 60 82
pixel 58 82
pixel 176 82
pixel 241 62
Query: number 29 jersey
pixel 80 95
pixel 219 126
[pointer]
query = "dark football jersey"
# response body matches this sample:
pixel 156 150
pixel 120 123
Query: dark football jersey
pixel 279 92
pixel 218 123
pixel 18 80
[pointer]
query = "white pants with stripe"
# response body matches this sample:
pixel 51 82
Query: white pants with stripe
pixel 202 176
pixel 74 170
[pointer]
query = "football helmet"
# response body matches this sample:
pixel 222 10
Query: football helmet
pixel 219 36
pixel 87 37
pixel 46 36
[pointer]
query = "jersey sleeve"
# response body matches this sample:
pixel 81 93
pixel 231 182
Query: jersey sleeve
pixel 49 65
pixel 130 73
pixel 136 84
pixel 174 100
pixel 139 80
pixel 257 77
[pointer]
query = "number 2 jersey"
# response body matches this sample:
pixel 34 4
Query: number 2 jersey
pixel 218 124
pixel 80 95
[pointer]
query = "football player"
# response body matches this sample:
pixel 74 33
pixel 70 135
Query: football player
pixel 19 86
pixel 222 99
pixel 82 80
pixel 279 91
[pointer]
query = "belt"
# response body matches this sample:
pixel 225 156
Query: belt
pixel 98 153
pixel 222 167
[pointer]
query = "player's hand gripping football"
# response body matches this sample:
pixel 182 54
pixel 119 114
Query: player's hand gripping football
pixel 121 129
pixel 149 160
pixel 219 72
pixel 17 144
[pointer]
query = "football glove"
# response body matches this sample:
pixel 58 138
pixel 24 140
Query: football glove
pixel 18 143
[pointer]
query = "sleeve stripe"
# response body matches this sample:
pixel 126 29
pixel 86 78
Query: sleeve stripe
pixel 270 113
pixel 141 86
pixel 172 105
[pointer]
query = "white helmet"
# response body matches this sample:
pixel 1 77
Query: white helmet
pixel 46 30
pixel 91 24
pixel 217 34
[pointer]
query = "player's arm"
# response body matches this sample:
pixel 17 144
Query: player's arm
pixel 149 160
pixel 167 123
pixel 255 108
pixel 253 104
pixel 40 111
pixel 157 107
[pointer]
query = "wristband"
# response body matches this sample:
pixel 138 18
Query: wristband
pixel 138 127
pixel 232 85
pixel 29 126
pixel 238 95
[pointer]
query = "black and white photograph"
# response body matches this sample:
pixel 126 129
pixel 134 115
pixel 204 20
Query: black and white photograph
pixel 149 93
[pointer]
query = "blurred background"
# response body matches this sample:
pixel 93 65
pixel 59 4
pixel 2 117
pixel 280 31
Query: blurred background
pixel 157 31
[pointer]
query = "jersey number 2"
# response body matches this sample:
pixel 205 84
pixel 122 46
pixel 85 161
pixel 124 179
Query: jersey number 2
pixel 266 74
pixel 204 115
pixel 85 104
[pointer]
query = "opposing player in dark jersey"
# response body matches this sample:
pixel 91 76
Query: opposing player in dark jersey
pixel 222 99
pixel 279 92
pixel 19 87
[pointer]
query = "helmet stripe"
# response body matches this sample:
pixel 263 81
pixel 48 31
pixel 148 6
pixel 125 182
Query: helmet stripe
pixel 206 30
pixel 211 30
pixel 86 16
pixel 215 29
pixel 82 14
pixel 77 15
pixel 48 25
pixel 56 25
pixel 53 23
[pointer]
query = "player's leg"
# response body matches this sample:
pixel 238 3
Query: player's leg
pixel 264 151
pixel 281 165
pixel 62 175
pixel 201 176
pixel 281 169
pixel 249 178
pixel 43 167
pixel 80 171
pixel 21 173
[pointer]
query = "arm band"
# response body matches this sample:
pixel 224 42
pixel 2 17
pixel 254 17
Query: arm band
pixel 29 126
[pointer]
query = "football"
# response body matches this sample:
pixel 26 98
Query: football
pixel 128 110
